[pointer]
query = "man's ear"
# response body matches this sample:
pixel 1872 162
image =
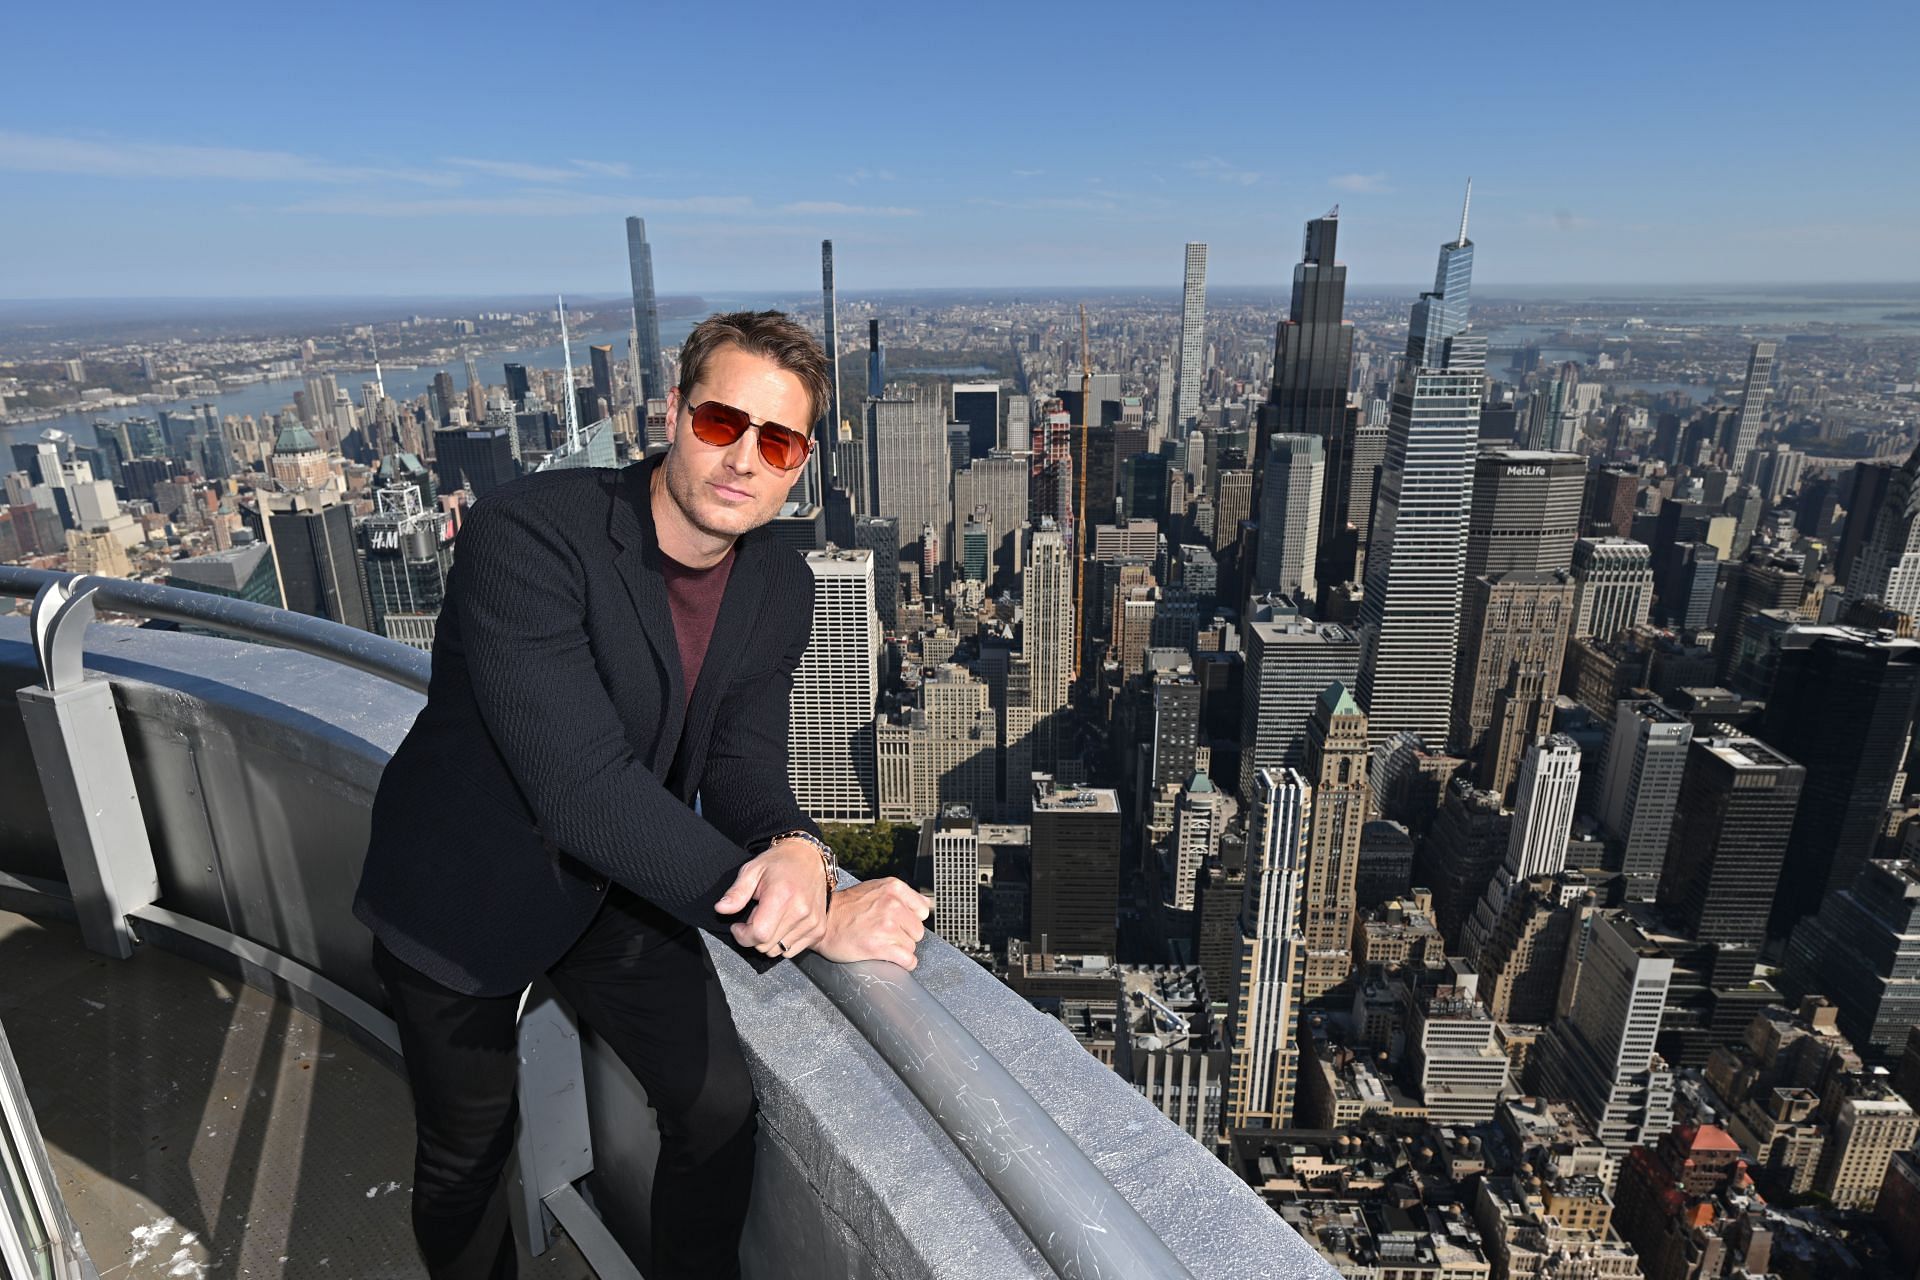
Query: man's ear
pixel 673 412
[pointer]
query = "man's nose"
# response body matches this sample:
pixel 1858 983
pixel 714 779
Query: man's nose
pixel 739 455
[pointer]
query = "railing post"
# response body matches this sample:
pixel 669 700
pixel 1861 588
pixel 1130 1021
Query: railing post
pixel 553 1147
pixel 81 758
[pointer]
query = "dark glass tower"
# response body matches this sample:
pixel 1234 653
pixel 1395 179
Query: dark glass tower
pixel 646 311
pixel 827 434
pixel 1312 367
pixel 1843 703
pixel 1729 839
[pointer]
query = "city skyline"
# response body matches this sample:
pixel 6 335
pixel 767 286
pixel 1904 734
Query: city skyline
pixel 438 190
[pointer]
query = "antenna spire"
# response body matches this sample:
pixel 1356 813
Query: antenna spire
pixel 566 350
pixel 1466 205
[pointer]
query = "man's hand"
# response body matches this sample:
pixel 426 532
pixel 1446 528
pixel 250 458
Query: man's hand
pixel 876 920
pixel 791 889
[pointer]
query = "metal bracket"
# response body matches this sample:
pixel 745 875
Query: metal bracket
pixel 61 612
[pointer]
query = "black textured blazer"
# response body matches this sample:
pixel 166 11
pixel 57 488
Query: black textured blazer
pixel 557 749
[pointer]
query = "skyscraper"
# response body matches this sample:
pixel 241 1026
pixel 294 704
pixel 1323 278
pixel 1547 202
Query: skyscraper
pixel 1272 953
pixel 1290 661
pixel 978 405
pixel 1745 430
pixel 1046 656
pixel 828 430
pixel 1729 839
pixel 1548 790
pixel 1076 869
pixel 311 533
pixel 831 759
pixel 1886 566
pixel 1526 511
pixel 1290 504
pixel 1513 642
pixel 1337 764
pixel 1842 703
pixel 1613 586
pixel 1193 339
pixel 1646 758
pixel 1312 367
pixel 646 312
pixel 1410 614
pixel 601 357
pixel 1863 950
pixel 406 555
pixel 1601 1056
pixel 908 451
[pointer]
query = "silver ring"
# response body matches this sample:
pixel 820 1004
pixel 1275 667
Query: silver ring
pixel 783 948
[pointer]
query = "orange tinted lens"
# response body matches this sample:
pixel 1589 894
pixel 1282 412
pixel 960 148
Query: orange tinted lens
pixel 718 424
pixel 782 447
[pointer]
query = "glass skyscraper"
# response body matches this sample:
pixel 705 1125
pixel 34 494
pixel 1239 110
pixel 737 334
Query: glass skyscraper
pixel 646 311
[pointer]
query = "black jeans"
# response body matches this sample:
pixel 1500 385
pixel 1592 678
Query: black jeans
pixel 645 985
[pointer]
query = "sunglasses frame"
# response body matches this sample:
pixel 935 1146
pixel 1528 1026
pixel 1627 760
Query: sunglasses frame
pixel 747 423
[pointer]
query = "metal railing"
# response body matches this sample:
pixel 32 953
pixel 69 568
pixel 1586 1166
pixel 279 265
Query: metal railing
pixel 1061 1201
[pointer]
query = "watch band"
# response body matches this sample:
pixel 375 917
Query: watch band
pixel 829 862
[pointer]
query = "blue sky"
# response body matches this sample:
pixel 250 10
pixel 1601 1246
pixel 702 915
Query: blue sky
pixel 228 150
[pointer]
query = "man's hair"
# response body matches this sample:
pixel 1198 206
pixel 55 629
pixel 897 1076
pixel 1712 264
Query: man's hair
pixel 762 333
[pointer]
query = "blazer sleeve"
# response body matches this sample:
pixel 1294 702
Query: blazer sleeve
pixel 519 592
pixel 745 789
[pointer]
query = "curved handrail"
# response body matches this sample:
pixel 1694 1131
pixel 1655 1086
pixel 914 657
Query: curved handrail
pixel 1066 1206
pixel 348 646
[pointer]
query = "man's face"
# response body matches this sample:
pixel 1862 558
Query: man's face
pixel 726 490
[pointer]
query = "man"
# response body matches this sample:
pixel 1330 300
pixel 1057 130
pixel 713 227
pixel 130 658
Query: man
pixel 615 646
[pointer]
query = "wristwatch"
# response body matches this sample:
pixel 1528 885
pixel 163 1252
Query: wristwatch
pixel 828 861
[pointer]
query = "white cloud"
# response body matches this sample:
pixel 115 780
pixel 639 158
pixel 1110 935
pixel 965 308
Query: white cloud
pixel 1366 183
pixel 605 168
pixel 1215 167
pixel 516 170
pixel 42 153
pixel 567 204
pixel 849 210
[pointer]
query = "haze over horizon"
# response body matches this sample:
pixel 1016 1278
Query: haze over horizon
pixel 325 155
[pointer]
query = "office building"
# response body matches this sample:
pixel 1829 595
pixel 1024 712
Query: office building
pixel 314 556
pixel 951 842
pixel 996 484
pixel 1454 1053
pixel 1862 951
pixel 1842 703
pixel 908 447
pixel 1545 797
pixel 646 313
pixel 1613 586
pixel 243 572
pixel 881 535
pixel 831 753
pixel 978 405
pixel 1265 1061
pixel 1886 566
pixel 1076 868
pixel 1290 503
pixel 1526 511
pixel 1416 561
pixel 479 459
pixel 1336 764
pixel 1036 699
pixel 1289 664
pixel 1600 1056
pixel 1729 839
pixel 1513 643
pixel 406 551
pixel 1312 367
pixel 1646 758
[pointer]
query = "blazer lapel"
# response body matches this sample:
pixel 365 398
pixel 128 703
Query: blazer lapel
pixel 630 525
pixel 739 606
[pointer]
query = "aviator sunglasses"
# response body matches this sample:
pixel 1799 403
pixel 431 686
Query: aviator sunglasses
pixel 720 425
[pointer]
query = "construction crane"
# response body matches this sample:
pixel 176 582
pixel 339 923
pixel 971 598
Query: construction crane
pixel 1080 507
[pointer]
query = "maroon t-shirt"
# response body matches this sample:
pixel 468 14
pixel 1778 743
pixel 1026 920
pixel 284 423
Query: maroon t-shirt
pixel 695 597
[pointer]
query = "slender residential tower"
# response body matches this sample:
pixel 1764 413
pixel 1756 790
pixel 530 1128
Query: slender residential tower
pixel 1753 404
pixel 1312 366
pixel 1410 614
pixel 646 313
pixel 827 434
pixel 1193 338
